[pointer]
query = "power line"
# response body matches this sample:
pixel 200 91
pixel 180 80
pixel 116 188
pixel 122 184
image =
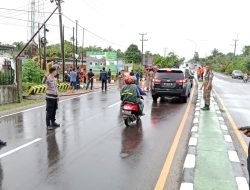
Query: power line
pixel 94 34
pixel 20 10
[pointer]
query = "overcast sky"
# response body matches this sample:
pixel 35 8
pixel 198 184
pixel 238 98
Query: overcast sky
pixel 182 26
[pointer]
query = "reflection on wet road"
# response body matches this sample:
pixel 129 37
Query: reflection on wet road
pixel 235 95
pixel 92 149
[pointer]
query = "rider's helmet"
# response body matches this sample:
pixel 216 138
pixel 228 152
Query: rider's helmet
pixel 129 80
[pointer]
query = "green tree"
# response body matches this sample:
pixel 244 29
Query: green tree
pixel 196 57
pixel 246 51
pixel 32 72
pixel 133 54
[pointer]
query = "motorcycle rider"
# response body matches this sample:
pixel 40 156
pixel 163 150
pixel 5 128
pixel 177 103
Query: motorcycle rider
pixel 130 93
pixel 245 77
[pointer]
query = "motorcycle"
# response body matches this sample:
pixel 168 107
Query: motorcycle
pixel 130 113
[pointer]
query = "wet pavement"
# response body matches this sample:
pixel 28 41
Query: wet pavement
pixel 235 95
pixel 92 149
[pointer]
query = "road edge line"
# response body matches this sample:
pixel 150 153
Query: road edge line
pixel 170 157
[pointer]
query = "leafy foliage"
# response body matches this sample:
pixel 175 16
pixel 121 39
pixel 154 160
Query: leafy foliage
pixel 32 72
pixel 170 61
pixel 133 54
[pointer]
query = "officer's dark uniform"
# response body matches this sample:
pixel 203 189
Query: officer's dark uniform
pixel 51 101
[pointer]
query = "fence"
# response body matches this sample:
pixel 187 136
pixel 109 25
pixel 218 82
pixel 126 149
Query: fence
pixel 7 74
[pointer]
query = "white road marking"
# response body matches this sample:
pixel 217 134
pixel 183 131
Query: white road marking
pixel 242 183
pixel 194 129
pixel 233 156
pixel 224 127
pixel 113 105
pixel 218 112
pixel 192 141
pixel 196 120
pixel 197 113
pixel 228 138
pixel 187 186
pixel 221 118
pixel 189 161
pixel 19 148
pixel 197 109
pixel 23 111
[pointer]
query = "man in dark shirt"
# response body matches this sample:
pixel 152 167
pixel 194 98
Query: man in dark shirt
pixel 90 79
pixel 109 76
pixel 104 78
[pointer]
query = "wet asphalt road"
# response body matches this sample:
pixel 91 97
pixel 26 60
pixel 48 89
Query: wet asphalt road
pixel 92 149
pixel 235 95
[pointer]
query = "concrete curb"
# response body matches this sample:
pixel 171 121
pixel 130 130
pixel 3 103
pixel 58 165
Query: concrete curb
pixel 190 160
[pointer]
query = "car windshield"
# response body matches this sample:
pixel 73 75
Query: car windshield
pixel 164 74
pixel 238 72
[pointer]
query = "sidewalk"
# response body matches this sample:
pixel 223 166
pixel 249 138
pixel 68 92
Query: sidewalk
pixel 212 162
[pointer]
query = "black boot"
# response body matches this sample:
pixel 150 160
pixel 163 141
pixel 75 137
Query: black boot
pixel 54 124
pixel 205 108
pixel 2 143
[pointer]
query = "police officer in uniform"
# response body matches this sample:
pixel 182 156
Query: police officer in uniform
pixel 207 87
pixel 51 99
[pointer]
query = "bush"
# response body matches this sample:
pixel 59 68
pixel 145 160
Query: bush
pixel 32 73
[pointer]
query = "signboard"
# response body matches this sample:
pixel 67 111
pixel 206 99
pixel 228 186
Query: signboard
pixel 97 60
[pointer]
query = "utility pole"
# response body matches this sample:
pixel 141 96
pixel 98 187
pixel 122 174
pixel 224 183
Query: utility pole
pixel 82 43
pixel 143 40
pixel 58 3
pixel 165 52
pixel 235 46
pixel 76 41
pixel 73 47
pixel 44 42
pixel 39 47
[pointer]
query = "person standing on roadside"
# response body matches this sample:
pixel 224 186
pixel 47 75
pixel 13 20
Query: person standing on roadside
pixel 109 76
pixel 51 99
pixel 151 77
pixel 207 87
pixel 132 73
pixel 90 79
pixel 138 76
pixel 85 76
pixel 73 76
pixel 104 78
pixel 121 78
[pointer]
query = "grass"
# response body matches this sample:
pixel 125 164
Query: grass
pixel 24 103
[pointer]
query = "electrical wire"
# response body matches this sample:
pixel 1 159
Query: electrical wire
pixel 94 34
pixel 19 10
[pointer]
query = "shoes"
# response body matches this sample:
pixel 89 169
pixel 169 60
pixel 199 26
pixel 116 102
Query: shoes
pixel 205 108
pixel 50 127
pixel 2 143
pixel 55 125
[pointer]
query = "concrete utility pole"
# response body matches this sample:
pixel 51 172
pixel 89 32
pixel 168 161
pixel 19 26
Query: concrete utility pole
pixel 143 40
pixel 39 47
pixel 235 45
pixel 76 41
pixel 82 43
pixel 58 3
pixel 165 52
pixel 73 48
pixel 44 42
